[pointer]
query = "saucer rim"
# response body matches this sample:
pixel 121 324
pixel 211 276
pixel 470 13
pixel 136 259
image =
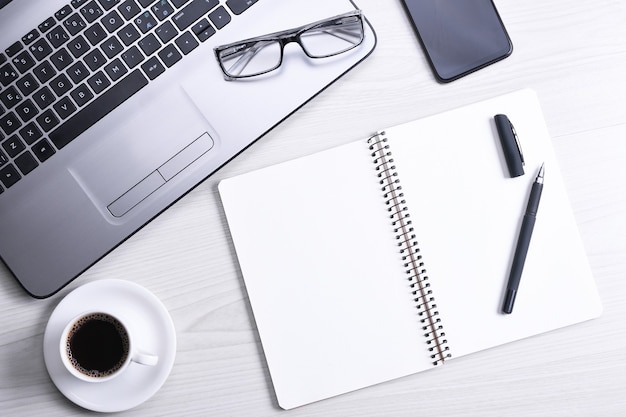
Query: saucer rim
pixel 68 306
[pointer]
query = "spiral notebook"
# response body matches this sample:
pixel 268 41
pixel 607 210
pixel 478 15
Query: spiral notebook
pixel 389 255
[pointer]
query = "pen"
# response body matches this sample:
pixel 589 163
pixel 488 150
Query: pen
pixel 523 242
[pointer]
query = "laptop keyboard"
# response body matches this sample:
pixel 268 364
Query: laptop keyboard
pixel 80 64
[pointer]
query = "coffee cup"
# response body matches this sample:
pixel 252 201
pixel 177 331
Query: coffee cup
pixel 97 346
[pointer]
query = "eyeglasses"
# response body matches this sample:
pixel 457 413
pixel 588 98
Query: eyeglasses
pixel 262 54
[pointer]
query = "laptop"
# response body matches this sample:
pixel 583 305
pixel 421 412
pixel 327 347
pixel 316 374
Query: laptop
pixel 112 110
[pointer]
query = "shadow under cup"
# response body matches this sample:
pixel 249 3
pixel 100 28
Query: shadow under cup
pixel 95 346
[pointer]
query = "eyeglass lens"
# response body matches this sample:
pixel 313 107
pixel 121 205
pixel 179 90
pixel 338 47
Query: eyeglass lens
pixel 332 38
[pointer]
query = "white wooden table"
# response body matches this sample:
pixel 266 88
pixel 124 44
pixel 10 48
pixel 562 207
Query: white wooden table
pixel 573 53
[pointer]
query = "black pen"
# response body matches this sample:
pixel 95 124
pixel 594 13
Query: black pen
pixel 523 242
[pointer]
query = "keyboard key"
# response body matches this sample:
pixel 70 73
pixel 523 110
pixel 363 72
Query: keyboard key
pixel 60 85
pixel 179 3
pixel 26 110
pixel 44 97
pixel 13 146
pixel 27 84
pixel 170 55
pixel 162 9
pixel 47 24
pixel 81 95
pixel 40 49
pixel 239 6
pixel 57 36
pixel 44 72
pixel 112 47
pixel 98 82
pixel 61 59
pixel 10 97
pixel 9 175
pixel 112 21
pixel 47 120
pixel 145 22
pixel 132 57
pixel 3 160
pixel 149 44
pixel 129 9
pixel 74 24
pixel 108 4
pixel 91 11
pixel 99 108
pixel 115 70
pixel 30 133
pixel 153 68
pixel 128 34
pixel 78 46
pixel 203 30
pixel 166 32
pixel 192 12
pixel 201 26
pixel 7 74
pixel 14 48
pixel 77 3
pixel 30 37
pixel 3 58
pixel 78 72
pixel 64 107
pixel 23 62
pixel 26 162
pixel 220 17
pixel 95 59
pixel 10 123
pixel 63 12
pixel 43 150
pixel 186 42
pixel 95 34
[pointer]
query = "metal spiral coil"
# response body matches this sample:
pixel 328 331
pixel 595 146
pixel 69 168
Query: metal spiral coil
pixel 414 266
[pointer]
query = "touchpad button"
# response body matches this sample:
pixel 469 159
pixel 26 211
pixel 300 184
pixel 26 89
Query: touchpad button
pixel 160 176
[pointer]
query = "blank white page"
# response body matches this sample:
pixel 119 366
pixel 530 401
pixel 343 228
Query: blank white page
pixel 324 276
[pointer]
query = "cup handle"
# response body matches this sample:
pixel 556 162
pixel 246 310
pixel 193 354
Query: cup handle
pixel 145 358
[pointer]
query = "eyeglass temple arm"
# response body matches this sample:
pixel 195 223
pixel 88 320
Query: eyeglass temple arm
pixel 348 35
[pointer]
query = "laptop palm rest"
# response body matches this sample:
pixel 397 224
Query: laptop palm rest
pixel 131 163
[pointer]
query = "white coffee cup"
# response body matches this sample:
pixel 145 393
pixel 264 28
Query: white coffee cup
pixel 97 346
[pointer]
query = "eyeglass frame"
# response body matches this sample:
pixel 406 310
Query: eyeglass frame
pixel 285 37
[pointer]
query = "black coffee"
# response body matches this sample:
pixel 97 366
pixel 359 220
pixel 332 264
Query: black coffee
pixel 97 345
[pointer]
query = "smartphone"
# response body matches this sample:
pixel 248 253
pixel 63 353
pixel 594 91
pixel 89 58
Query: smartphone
pixel 459 36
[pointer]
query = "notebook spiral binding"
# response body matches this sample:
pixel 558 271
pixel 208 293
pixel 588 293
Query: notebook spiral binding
pixel 401 223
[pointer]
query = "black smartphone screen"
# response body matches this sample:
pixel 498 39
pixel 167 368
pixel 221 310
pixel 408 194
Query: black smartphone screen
pixel 459 36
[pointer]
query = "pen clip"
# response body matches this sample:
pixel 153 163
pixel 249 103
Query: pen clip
pixel 517 143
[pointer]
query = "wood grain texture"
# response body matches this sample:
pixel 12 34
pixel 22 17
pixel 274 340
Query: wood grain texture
pixel 573 53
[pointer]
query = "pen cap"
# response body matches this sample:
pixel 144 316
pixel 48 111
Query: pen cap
pixel 510 146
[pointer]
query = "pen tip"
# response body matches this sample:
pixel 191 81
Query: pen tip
pixel 541 171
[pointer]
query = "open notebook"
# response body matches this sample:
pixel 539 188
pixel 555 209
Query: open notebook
pixel 341 297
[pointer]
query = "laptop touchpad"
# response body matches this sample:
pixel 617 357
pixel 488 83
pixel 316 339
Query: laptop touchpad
pixel 138 154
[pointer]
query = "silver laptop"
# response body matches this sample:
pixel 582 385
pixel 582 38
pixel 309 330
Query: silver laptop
pixel 111 110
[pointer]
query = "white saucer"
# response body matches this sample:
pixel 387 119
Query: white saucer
pixel 155 334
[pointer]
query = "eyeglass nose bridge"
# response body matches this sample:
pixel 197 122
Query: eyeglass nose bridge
pixel 287 38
